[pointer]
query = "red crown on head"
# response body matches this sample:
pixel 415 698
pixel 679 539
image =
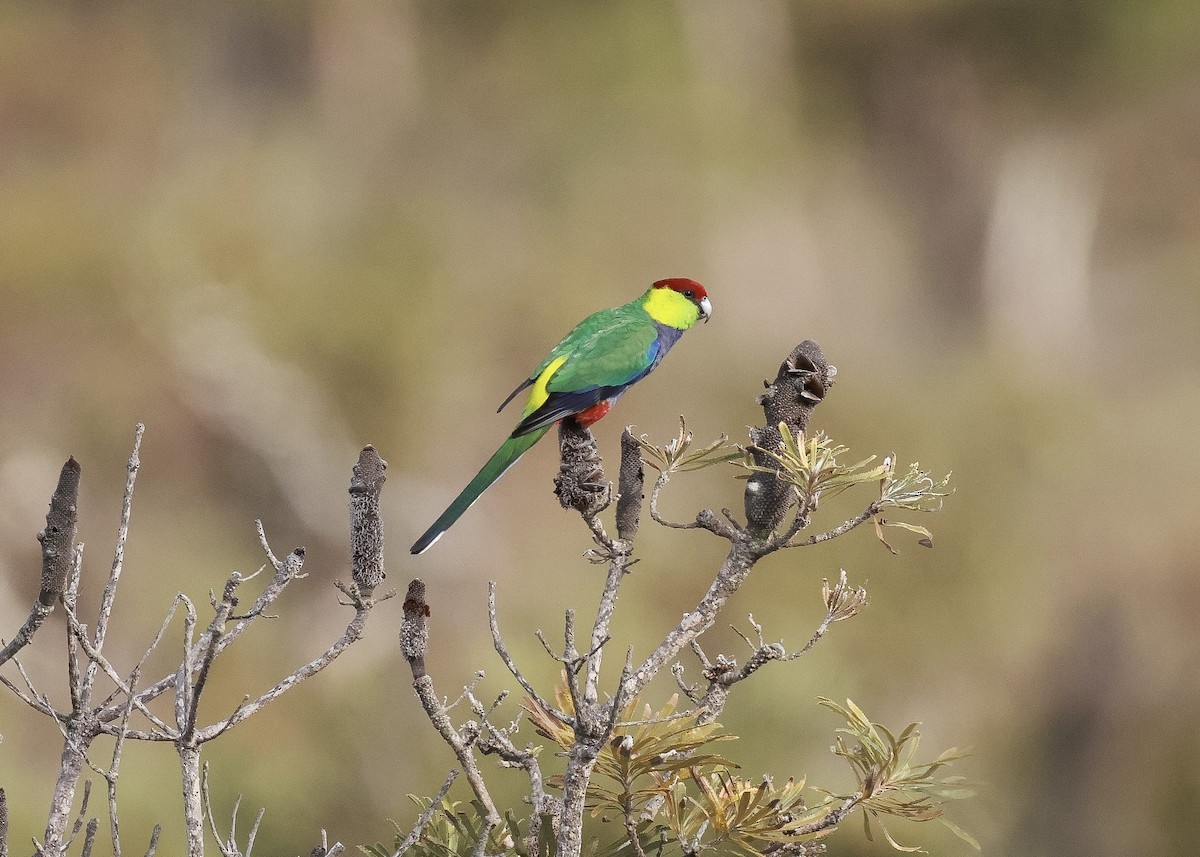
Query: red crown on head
pixel 681 285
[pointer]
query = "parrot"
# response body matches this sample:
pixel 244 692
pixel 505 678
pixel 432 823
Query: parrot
pixel 584 375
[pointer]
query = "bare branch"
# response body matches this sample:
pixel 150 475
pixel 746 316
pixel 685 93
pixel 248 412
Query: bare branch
pixel 499 741
pixel 570 656
pixel 841 602
pixel 37 615
pixel 733 572
pixel 502 651
pixel 266 546
pixel 325 849
pixel 83 806
pixel 114 769
pixel 414 644
pixel 98 659
pixel 663 478
pixel 618 567
pixel 37 701
pixel 861 518
pixel 353 633
pixel 289 569
pixel 114 576
pixel 706 519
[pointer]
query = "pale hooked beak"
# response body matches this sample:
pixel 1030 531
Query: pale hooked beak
pixel 705 309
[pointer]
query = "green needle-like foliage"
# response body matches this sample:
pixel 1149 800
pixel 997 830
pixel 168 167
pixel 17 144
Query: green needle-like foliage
pixel 453 831
pixel 677 455
pixel 640 757
pixel 810 465
pixel 890 780
pixel 677 797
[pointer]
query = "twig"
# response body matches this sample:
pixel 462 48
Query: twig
pixel 291 568
pixel 114 576
pixel 153 846
pixel 353 633
pixel 97 659
pixel 427 816
pixel 502 651
pixel 114 769
pixel 34 700
pixel 570 655
pixel 618 567
pixel 414 636
pixel 228 845
pixel 37 616
pixel 89 837
pixel 266 546
pixel 832 819
pixel 663 478
pixel 83 805
pixel 499 741
pixel 862 517
pixel 732 574
pixel 325 849
pixel 706 519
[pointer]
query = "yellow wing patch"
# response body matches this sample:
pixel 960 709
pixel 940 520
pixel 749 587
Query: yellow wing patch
pixel 539 394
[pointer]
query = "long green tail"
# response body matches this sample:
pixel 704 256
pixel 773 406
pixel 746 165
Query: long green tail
pixel 505 457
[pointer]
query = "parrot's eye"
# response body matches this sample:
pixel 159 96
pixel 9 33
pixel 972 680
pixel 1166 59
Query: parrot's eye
pixel 689 294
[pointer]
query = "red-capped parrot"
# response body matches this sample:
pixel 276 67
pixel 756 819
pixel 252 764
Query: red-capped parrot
pixel 602 357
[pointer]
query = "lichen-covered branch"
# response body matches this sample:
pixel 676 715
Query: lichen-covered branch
pixel 841 600
pixel 414 641
pixel 62 561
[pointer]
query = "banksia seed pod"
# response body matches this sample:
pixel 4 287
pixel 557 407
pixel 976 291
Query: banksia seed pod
pixel 630 485
pixel 800 385
pixel 366 527
pixel 580 483
pixel 58 539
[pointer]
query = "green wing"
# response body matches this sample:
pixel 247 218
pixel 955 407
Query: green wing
pixel 610 348
pixel 615 351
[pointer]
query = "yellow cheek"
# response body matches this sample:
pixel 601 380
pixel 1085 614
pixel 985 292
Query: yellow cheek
pixel 671 308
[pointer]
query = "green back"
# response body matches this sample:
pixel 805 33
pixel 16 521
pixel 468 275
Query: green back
pixel 605 349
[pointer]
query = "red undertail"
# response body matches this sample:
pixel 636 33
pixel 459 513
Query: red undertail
pixel 591 415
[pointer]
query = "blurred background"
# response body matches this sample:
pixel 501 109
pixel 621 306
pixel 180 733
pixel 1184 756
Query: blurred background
pixel 275 232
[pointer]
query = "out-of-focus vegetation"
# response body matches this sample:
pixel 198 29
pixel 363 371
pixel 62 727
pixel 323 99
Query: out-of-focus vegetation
pixel 275 232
